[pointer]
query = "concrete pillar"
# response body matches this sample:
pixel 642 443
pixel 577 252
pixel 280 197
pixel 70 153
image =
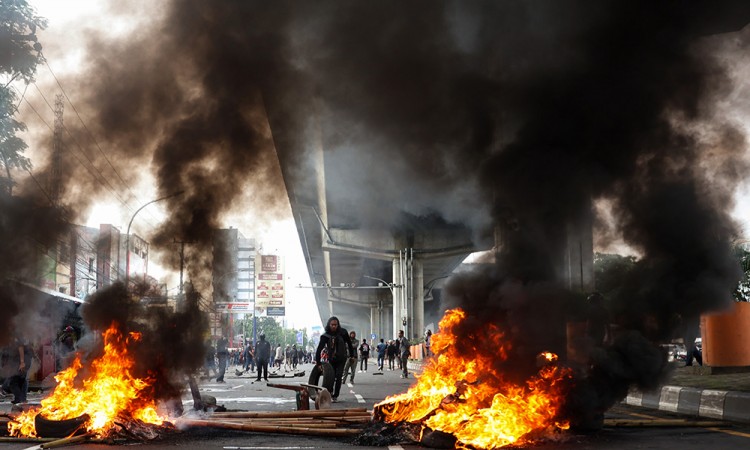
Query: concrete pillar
pixel 373 323
pixel 417 330
pixel 398 288
pixel 579 255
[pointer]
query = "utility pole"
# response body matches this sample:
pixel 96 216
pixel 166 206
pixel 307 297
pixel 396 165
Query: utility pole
pixel 182 265
pixel 55 187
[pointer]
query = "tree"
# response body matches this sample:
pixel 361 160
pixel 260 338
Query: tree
pixel 20 54
pixel 277 335
pixel 272 330
pixel 11 146
pixel 611 271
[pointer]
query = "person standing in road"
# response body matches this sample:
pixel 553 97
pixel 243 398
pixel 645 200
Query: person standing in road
pixel 249 359
pixel 19 361
pixel 351 362
pixel 288 358
pixel 404 353
pixel 391 353
pixel 381 348
pixel 279 357
pixel 222 353
pixel 338 347
pixel 364 355
pixel 428 343
pixel 262 356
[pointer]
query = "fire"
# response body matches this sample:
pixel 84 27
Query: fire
pixel 462 394
pixel 108 393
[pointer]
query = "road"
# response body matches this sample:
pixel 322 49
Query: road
pixel 242 393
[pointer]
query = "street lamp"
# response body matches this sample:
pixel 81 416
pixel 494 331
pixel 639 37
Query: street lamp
pixel 389 285
pixel 127 234
pixel 380 302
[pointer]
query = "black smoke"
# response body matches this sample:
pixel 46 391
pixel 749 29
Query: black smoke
pixel 498 113
pixel 171 345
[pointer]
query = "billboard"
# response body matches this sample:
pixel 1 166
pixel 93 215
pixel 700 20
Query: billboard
pixel 270 295
pixel 234 307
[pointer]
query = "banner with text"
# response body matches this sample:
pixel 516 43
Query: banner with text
pixel 269 285
pixel 234 307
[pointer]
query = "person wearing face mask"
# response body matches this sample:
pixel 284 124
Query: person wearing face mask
pixel 335 347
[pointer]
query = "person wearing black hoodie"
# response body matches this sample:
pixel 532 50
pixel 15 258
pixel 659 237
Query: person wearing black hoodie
pixel 262 355
pixel 335 347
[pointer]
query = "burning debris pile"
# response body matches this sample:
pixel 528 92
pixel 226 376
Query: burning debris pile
pixel 106 398
pixel 462 394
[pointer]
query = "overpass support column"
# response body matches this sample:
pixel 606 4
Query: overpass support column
pixel 385 317
pixel 398 289
pixel 417 283
pixel 374 319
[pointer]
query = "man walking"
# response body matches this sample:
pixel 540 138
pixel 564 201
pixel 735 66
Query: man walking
pixel 249 360
pixel 338 346
pixel 262 355
pixel 404 353
pixel 350 368
pixel 279 358
pixel 364 355
pixel 381 354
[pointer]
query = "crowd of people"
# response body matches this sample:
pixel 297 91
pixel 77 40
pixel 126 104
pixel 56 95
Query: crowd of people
pixel 261 356
pixel 338 347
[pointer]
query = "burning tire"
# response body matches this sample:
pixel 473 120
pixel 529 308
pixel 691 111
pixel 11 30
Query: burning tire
pixel 326 371
pixel 46 428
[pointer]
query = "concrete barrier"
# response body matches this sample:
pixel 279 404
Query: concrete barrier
pixel 709 403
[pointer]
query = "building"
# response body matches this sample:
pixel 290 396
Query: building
pixel 233 279
pixel 89 259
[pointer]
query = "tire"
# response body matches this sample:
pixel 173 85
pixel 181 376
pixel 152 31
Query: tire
pixel 325 371
pixel 46 428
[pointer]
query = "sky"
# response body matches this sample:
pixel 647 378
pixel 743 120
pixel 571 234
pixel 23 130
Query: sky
pixel 69 22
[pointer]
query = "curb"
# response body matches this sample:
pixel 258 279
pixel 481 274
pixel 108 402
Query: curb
pixel 722 405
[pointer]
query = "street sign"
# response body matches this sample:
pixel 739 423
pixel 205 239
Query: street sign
pixel 234 307
pixel 373 336
pixel 277 311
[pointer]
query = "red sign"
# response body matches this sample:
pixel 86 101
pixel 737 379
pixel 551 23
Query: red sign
pixel 268 263
pixel 270 276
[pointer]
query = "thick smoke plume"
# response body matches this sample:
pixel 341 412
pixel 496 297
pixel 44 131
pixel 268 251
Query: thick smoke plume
pixel 172 343
pixel 490 114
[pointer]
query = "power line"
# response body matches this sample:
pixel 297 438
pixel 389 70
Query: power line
pixel 85 127
pixel 52 202
pixel 88 158
pixel 99 178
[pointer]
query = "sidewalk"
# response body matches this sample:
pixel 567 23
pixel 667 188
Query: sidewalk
pixel 695 391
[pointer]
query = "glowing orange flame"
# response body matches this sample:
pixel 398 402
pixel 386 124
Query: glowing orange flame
pixel 109 392
pixel 463 394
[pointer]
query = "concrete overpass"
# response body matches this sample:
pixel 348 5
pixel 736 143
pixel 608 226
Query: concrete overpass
pixel 376 280
pixel 379 276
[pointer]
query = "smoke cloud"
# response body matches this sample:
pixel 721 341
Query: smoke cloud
pixel 502 113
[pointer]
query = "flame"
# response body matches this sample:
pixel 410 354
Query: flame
pixel 109 392
pixel 463 394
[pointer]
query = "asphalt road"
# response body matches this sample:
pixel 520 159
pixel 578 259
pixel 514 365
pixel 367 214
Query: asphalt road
pixel 242 393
